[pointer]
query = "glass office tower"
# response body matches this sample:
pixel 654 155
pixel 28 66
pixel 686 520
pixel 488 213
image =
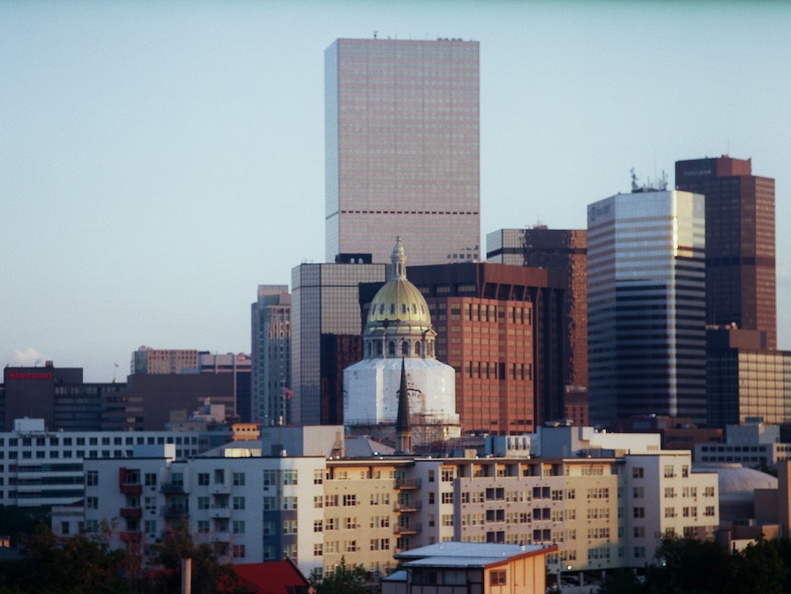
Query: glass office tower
pixel 402 149
pixel 647 305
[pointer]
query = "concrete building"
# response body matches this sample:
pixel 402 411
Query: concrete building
pixel 752 444
pixel 398 342
pixel 56 394
pixel 741 286
pixel 646 306
pixel 326 330
pixel 602 513
pixel 402 148
pixel 565 250
pixel 147 360
pixel 271 355
pixel 40 467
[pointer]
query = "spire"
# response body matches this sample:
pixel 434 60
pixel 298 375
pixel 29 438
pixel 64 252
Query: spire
pixel 398 259
pixel 403 427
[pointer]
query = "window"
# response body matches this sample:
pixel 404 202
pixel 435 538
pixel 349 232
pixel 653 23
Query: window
pixel 238 479
pixel 151 479
pixel 447 498
pixel 447 474
pixel 289 477
pixel 349 500
pixel 203 503
pixel 318 501
pixel 239 551
pixel 203 526
pixel 270 478
pixel 668 471
pixel 238 502
pixel 203 479
pixel 92 478
pixel 638 512
pixel 318 526
pixel 219 476
pixel 318 549
pixel 318 476
pixel 638 492
pixel 289 503
pixel 638 472
pixel 92 503
pixel 497 577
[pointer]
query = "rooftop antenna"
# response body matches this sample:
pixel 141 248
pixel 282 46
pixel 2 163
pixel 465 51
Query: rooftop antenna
pixel 375 32
pixel 635 185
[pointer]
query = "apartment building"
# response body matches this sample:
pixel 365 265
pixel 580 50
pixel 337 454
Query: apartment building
pixel 601 513
pixel 44 468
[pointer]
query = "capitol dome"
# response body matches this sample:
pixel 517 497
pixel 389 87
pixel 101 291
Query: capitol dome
pixel 399 322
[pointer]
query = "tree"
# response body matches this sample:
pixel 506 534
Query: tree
pixel 76 565
pixel 759 568
pixel 209 576
pixel 343 580
pixel 622 581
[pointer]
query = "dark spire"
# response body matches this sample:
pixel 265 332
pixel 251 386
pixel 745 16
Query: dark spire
pixel 403 426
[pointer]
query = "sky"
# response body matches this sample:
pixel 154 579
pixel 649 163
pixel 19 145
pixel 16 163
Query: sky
pixel 160 160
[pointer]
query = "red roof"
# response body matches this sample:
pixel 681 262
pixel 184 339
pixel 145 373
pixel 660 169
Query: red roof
pixel 272 577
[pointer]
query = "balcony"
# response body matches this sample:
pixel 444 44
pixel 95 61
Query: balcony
pixel 176 512
pixel 131 513
pixel 172 488
pixel 219 489
pixel 221 537
pixel 406 530
pixel 131 537
pixel 404 484
pixel 220 512
pixel 131 489
pixel 405 507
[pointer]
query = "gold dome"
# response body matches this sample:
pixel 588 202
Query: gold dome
pixel 399 302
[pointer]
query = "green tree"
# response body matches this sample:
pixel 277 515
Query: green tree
pixel 76 565
pixel 622 581
pixel 759 568
pixel 209 576
pixel 690 566
pixel 343 580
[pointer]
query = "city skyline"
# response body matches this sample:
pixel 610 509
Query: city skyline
pixel 151 180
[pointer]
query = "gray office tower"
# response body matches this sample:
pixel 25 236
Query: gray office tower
pixel 271 356
pixel 326 326
pixel 402 149
pixel 647 306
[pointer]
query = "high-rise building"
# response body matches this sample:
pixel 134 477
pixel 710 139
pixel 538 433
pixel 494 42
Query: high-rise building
pixel 402 148
pixel 271 353
pixel 565 250
pixel 745 381
pixel 646 306
pixel 500 327
pixel 326 336
pixel 740 242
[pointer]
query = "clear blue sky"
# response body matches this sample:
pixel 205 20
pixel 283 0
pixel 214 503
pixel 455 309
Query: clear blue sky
pixel 159 160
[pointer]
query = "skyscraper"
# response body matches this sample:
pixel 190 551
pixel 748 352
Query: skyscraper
pixel 326 331
pixel 271 355
pixel 646 305
pixel 402 149
pixel 564 250
pixel 740 242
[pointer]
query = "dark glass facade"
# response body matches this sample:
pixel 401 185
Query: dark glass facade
pixel 646 306
pixel 741 285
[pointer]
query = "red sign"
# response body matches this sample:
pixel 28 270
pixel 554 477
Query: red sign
pixel 29 375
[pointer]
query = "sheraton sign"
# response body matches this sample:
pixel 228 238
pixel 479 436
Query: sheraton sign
pixel 29 375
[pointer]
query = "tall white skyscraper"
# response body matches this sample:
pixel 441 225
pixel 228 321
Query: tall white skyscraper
pixel 647 305
pixel 402 149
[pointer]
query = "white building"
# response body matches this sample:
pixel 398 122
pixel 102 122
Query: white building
pixel 398 333
pixel 44 468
